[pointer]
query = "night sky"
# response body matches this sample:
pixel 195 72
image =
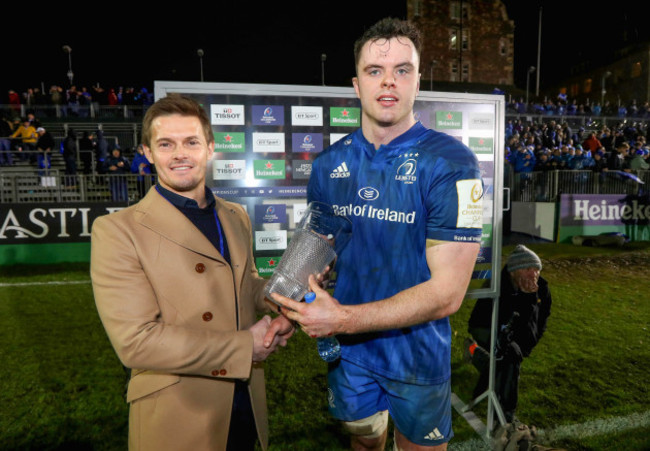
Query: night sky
pixel 274 42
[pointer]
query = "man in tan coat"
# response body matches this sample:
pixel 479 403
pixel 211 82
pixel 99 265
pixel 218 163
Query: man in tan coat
pixel 178 293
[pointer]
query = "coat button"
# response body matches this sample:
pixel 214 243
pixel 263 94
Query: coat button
pixel 207 316
pixel 200 267
pixel 223 372
pixel 215 372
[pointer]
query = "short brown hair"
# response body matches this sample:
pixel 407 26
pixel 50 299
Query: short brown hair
pixel 388 28
pixel 176 104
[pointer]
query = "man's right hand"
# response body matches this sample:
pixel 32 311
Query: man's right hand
pixel 263 330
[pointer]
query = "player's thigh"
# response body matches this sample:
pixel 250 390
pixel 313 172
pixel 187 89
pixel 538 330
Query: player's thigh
pixel 421 413
pixel 353 392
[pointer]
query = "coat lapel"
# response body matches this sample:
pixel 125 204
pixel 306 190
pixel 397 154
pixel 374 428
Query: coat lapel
pixel 232 228
pixel 159 215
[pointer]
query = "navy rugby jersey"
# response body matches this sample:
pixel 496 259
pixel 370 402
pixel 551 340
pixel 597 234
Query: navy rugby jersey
pixel 423 185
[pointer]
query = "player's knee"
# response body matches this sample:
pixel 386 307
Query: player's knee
pixel 371 427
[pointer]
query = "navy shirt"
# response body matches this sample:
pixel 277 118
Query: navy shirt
pixel 205 219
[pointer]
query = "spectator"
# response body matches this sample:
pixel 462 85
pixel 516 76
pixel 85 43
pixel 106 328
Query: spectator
pixel 592 143
pixel 6 157
pixel 72 100
pixel 618 160
pixel 44 145
pixel 117 166
pixel 56 98
pixel 69 150
pixel 86 151
pixel 141 166
pixel 31 118
pixel 567 155
pixel 600 161
pixel 28 137
pixel 524 308
pixel 597 109
pixel 524 159
pixel 14 101
pixel 606 139
pixel 543 163
pixel 101 152
pixel 112 98
pixel 580 160
pixel 638 162
pixel 557 162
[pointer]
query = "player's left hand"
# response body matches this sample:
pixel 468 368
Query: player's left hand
pixel 320 318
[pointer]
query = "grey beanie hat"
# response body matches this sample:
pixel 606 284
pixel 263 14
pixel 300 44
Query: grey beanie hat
pixel 522 258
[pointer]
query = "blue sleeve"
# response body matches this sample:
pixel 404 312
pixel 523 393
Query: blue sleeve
pixel 454 201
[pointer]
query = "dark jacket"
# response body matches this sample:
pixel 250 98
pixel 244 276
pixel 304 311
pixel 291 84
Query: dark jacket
pixel 533 308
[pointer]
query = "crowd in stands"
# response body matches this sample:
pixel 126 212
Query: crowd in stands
pixel 551 145
pixel 561 106
pixel 26 141
pixel 529 146
pixel 73 100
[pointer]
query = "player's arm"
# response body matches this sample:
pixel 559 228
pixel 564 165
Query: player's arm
pixel 451 265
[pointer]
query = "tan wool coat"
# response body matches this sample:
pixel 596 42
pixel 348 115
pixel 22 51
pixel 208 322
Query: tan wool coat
pixel 176 313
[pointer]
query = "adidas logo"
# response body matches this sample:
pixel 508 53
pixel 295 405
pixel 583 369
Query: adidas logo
pixel 434 435
pixel 340 172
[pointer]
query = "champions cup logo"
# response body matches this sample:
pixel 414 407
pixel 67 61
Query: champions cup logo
pixel 476 193
pixel 406 171
pixel 470 205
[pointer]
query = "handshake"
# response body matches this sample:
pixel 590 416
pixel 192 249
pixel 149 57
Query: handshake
pixel 268 334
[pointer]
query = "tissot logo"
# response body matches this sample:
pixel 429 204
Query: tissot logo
pixel 229 169
pixel 368 193
pixel 227 114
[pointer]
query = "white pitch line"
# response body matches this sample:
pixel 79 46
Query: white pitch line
pixel 601 426
pixel 29 284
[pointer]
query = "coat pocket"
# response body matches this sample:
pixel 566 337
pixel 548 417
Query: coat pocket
pixel 148 382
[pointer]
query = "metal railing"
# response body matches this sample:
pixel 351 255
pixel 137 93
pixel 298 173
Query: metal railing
pixel 548 186
pixel 93 111
pixel 53 186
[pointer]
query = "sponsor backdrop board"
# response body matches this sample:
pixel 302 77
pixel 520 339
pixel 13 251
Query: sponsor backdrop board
pixel 596 214
pixel 266 137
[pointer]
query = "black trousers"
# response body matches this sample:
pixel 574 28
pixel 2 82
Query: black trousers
pixel 506 378
pixel 242 434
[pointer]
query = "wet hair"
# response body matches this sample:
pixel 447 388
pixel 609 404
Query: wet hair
pixel 389 28
pixel 175 104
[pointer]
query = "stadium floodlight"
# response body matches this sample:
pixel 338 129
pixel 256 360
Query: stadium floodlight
pixel 67 49
pixel 323 57
pixel 531 69
pixel 602 90
pixel 200 53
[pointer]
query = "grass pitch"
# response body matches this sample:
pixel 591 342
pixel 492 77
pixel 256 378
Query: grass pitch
pixel 585 385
